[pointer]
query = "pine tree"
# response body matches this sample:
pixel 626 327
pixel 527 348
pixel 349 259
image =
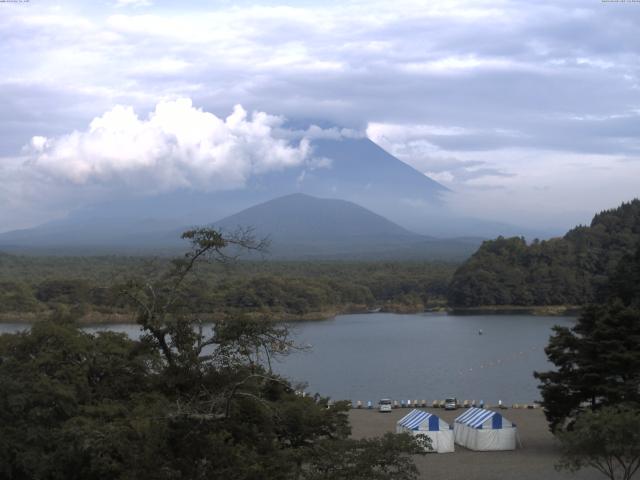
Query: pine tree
pixel 598 360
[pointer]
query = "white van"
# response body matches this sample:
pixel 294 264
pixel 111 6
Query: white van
pixel 384 405
pixel 451 403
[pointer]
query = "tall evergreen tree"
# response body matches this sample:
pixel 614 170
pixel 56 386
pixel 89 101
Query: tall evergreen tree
pixel 598 360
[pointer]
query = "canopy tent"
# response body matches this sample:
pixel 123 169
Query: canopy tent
pixel 418 422
pixel 483 430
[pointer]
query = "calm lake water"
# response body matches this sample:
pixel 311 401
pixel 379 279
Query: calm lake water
pixel 424 356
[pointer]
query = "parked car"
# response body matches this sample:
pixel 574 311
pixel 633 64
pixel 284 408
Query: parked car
pixel 451 403
pixel 384 405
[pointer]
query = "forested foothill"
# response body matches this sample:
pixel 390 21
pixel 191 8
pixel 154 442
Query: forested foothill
pixel 32 287
pixel 572 270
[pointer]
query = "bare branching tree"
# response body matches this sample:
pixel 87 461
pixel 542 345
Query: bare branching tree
pixel 191 345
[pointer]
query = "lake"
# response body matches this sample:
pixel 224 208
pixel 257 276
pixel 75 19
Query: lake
pixel 423 356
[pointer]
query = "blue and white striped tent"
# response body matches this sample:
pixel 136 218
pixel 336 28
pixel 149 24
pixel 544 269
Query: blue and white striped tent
pixel 480 429
pixel 419 422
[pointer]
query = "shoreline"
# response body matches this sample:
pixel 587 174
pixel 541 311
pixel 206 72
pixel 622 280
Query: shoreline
pixel 102 318
pixel 534 310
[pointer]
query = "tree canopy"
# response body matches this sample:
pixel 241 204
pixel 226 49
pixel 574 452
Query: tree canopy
pixel 592 398
pixel 188 400
pixel 572 270
pixel 597 360
pixel 607 440
pixel 33 287
pixel 598 363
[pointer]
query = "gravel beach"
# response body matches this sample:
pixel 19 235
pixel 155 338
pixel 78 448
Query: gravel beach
pixel 533 461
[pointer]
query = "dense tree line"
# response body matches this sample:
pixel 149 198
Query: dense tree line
pixel 186 401
pixel 91 287
pixel 598 359
pixel 592 398
pixel 571 270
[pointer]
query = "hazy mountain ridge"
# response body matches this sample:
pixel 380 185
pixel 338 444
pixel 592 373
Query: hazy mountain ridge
pixel 299 226
pixel 299 216
pixel 355 170
pixel 302 226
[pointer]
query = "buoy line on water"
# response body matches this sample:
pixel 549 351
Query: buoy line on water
pixel 498 362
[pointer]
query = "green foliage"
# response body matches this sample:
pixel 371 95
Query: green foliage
pixel 17 297
pixel 371 459
pixel 598 360
pixel 607 440
pixel 592 398
pixel 563 271
pixel 184 402
pixel 66 397
pixel 625 283
pixel 281 290
pixel 598 363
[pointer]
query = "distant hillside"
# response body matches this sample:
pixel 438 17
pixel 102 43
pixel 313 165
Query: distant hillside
pixel 302 226
pixel 568 270
pixel 84 235
pixel 352 169
pixel 299 217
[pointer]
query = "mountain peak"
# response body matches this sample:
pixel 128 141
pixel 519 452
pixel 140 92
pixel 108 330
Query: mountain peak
pixel 299 216
pixel 304 226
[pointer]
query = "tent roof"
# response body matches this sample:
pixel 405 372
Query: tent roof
pixel 415 418
pixel 476 417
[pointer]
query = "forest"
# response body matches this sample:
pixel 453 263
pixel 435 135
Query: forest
pixel 181 402
pixel 571 270
pixel 591 397
pixel 91 287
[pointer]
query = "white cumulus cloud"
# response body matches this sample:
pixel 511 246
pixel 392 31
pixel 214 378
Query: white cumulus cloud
pixel 177 145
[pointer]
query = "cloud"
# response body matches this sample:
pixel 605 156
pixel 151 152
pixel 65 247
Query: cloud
pixel 485 91
pixel 176 146
pixel 551 189
pixel 506 64
pixel 133 3
pixel 421 146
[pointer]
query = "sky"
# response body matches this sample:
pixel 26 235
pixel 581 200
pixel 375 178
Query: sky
pixel 529 112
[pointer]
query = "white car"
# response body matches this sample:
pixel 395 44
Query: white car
pixel 451 403
pixel 384 405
